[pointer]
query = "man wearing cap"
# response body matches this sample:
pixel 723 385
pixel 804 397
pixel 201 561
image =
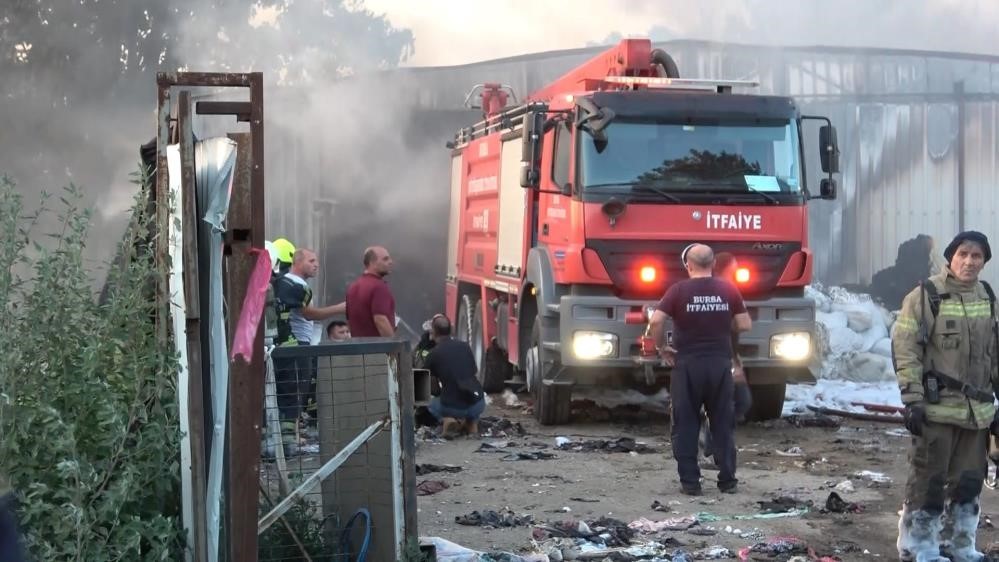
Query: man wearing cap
pixel 705 310
pixel 944 349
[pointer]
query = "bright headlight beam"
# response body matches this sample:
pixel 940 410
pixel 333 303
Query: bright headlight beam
pixel 793 346
pixel 594 345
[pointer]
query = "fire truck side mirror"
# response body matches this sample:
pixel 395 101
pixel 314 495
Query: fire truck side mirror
pixel 827 189
pixel 829 149
pixel 530 156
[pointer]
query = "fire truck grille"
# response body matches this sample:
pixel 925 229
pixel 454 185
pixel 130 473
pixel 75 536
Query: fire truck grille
pixel 624 260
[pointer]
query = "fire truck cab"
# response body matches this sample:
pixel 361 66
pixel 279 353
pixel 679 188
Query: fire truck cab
pixel 569 213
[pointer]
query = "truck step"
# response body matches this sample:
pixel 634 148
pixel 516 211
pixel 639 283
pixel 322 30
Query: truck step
pixel 553 308
pixel 552 346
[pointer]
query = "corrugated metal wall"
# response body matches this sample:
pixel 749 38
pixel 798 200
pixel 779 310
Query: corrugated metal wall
pixel 901 117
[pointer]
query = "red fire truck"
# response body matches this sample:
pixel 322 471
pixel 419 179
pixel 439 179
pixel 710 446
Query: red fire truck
pixel 569 213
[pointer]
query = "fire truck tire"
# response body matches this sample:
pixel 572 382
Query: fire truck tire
pixel 492 362
pixel 768 401
pixel 552 403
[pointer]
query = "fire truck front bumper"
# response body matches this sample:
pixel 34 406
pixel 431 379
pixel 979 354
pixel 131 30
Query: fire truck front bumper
pixel 595 332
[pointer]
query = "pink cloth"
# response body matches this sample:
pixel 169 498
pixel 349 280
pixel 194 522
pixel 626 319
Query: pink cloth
pixel 253 307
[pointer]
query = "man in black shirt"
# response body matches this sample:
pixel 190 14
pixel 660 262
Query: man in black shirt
pixel 705 311
pixel 451 361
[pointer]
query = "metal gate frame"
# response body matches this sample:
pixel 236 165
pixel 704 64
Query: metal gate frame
pixel 245 232
pixel 400 423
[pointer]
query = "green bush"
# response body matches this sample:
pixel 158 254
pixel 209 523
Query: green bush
pixel 89 434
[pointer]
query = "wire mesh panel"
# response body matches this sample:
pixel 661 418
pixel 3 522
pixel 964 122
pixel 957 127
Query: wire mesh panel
pixel 338 453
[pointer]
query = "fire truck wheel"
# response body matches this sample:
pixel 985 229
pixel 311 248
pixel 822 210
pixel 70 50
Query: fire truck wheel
pixel 493 366
pixel 552 403
pixel 768 401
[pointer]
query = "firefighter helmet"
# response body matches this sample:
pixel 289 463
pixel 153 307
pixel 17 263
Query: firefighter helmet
pixel 285 250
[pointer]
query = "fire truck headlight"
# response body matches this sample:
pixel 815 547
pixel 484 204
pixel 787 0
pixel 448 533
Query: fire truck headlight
pixel 793 346
pixel 594 345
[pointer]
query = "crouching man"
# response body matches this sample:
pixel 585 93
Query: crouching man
pixel 944 346
pixel 461 401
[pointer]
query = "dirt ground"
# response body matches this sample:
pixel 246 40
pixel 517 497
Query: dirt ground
pixel 624 485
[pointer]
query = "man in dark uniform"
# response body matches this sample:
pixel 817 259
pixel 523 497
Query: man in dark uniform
pixel 705 311
pixel 725 268
pixel 452 362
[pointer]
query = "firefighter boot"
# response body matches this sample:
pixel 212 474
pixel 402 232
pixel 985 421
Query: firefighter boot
pixel 963 522
pixel 450 428
pixel 919 536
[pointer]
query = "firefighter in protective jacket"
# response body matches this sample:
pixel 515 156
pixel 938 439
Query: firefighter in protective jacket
pixel 944 348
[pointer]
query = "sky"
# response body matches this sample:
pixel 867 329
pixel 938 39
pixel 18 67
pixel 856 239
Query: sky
pixel 450 32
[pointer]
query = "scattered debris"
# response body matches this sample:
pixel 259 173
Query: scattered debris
pixel 620 445
pixel 898 432
pixel 680 555
pixel 511 399
pixel 447 551
pixel 783 504
pixel 656 506
pixel 706 517
pixel 874 477
pixel 490 426
pixel 584 500
pixel 836 504
pixel 777 546
pixel 424 469
pixel 885 408
pixel 605 531
pixel 528 456
pixel 493 446
pixel 716 552
pixel 845 487
pixel 702 531
pixel 493 519
pixel 857 415
pixel 644 525
pixel 791 452
pixel 816 420
pixel 427 434
pixel 431 487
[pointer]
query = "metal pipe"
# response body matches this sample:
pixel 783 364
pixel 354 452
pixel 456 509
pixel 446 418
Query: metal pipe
pixel 322 474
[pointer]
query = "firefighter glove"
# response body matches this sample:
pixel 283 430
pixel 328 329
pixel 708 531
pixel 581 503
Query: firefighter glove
pixel 915 417
pixel 994 427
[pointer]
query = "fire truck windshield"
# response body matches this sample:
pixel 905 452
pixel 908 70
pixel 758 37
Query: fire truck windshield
pixel 654 159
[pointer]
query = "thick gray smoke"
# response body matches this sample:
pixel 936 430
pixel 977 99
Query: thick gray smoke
pixel 350 161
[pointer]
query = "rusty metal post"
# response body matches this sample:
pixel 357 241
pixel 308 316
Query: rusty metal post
pixel 246 383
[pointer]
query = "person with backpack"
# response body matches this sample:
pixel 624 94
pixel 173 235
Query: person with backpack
pixel 944 350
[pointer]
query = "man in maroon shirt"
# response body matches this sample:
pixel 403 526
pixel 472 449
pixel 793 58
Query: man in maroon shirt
pixel 370 304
